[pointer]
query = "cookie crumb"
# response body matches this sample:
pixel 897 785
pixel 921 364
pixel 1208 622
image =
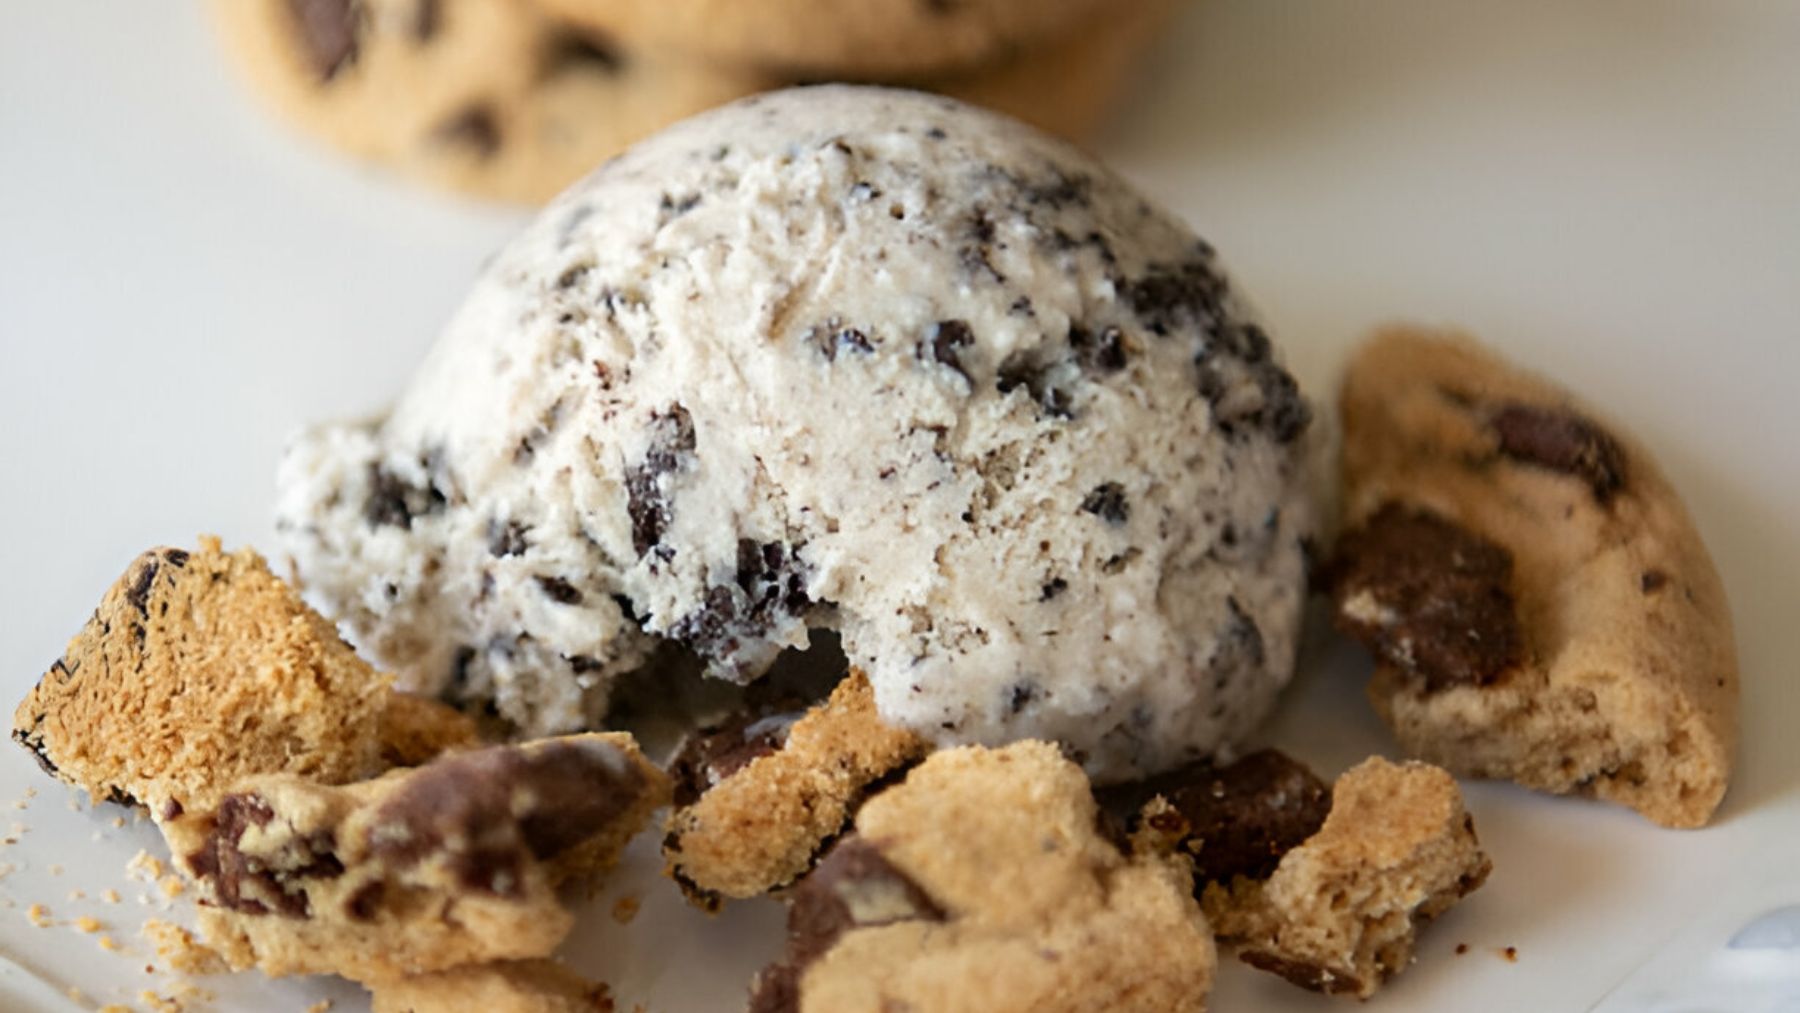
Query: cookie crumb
pixel 171 886
pixel 178 947
pixel 161 1004
pixel 77 895
pixel 88 924
pixel 144 866
pixel 39 915
pixel 319 1007
pixel 118 822
pixel 110 944
pixel 1511 953
pixel 113 1007
pixel 626 908
pixel 55 870
pixel 1462 948
pixel 110 896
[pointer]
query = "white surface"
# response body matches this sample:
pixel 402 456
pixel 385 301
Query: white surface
pixel 1608 191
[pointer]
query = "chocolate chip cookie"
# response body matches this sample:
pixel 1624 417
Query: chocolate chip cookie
pixel 826 38
pixel 1539 604
pixel 510 986
pixel 983 882
pixel 453 863
pixel 760 795
pixel 485 96
pixel 200 668
pixel 1326 887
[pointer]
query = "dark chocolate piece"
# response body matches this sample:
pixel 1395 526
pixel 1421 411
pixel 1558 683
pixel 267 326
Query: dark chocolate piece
pixel 1237 820
pixel 1427 596
pixel 327 30
pixel 1561 441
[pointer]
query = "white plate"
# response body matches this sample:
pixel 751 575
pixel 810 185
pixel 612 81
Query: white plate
pixel 1609 191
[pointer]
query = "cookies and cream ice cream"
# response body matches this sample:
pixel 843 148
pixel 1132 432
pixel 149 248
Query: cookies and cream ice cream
pixel 839 358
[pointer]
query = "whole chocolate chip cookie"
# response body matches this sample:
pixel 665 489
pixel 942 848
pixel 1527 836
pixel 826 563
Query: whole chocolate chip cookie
pixel 485 96
pixel 832 38
pixel 1539 604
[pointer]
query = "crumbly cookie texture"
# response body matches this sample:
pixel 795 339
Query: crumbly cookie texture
pixel 828 38
pixel 1539 603
pixel 416 729
pixel 982 882
pixel 484 96
pixel 1341 911
pixel 1044 474
pixel 200 668
pixel 756 800
pixel 512 986
pixel 456 862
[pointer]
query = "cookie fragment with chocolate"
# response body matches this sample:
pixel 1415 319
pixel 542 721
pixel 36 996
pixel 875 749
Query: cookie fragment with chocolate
pixel 1540 606
pixel 1342 911
pixel 453 863
pixel 200 668
pixel 508 986
pixel 759 797
pixel 983 882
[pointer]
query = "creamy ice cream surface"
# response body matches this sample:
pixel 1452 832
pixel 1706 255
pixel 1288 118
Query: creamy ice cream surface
pixel 847 358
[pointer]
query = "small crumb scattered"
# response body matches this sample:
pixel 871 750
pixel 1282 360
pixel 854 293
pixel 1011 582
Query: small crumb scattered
pixel 31 793
pixel 39 915
pixel 161 1004
pixel 178 947
pixel 74 805
pixel 626 908
pixel 110 896
pixel 88 924
pixel 118 823
pixel 1511 953
pixel 113 1007
pixel 109 943
pixel 144 866
pixel 171 885
pixel 55 870
pixel 77 894
pixel 319 1007
pixel 1462 948
pixel 21 804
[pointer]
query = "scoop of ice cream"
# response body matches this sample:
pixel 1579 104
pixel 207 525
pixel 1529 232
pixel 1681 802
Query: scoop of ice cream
pixel 839 358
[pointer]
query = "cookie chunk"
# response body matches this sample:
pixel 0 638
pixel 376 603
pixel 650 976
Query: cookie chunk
pixel 758 797
pixel 1341 912
pixel 513 986
pixel 982 882
pixel 485 96
pixel 1539 604
pixel 415 729
pixel 200 668
pixel 1235 821
pixel 452 863
pixel 826 38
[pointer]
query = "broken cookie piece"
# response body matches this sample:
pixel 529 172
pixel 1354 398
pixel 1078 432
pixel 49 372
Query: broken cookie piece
pixel 416 729
pixel 452 863
pixel 1341 912
pixel 197 669
pixel 982 882
pixel 510 986
pixel 1539 604
pixel 1324 886
pixel 758 797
